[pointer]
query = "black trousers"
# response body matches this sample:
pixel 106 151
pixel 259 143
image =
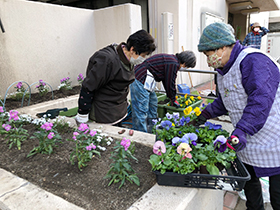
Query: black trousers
pixel 253 191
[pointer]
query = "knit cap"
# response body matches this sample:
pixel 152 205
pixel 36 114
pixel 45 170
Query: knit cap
pixel 214 36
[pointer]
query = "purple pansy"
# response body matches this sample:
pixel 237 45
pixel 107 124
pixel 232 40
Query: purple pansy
pixel 220 143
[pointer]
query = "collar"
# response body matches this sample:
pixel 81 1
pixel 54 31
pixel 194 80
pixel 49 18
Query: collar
pixel 123 57
pixel 256 33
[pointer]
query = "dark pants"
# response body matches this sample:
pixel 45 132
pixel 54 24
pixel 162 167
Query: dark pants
pixel 253 191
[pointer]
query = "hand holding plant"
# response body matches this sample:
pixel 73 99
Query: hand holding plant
pixel 121 169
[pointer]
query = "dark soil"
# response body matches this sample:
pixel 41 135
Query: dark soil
pixel 36 98
pixel 54 173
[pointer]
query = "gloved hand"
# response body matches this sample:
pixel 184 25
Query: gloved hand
pixel 200 120
pixel 81 118
pixel 241 144
pixel 175 103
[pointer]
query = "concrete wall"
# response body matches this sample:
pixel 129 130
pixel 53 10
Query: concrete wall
pixel 50 42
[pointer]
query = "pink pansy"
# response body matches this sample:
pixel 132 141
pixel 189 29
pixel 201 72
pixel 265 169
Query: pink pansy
pixel 83 127
pixel 92 133
pixel 159 147
pixel 184 149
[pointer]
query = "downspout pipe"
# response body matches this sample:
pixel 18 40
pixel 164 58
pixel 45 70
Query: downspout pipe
pixel 1 26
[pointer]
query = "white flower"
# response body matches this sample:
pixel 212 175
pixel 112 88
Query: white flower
pixel 110 139
pixel 108 143
pixel 104 134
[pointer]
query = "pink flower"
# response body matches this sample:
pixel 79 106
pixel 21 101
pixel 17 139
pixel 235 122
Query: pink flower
pixel 1 109
pixel 83 127
pixel 51 135
pixel 159 147
pixel 75 133
pixel 47 126
pixel 90 147
pixel 92 133
pixel 184 149
pixel 13 115
pixel 7 127
pixel 125 143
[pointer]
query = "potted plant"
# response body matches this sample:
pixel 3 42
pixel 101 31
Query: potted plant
pixel 184 144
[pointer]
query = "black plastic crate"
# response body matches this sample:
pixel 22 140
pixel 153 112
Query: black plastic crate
pixel 233 178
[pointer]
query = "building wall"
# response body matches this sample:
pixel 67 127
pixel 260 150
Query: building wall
pixel 50 42
pixel 187 19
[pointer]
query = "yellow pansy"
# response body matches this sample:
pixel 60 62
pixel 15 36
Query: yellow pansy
pixel 198 113
pixel 192 98
pixel 186 95
pixel 176 97
pixel 196 109
pixel 189 101
pixel 187 110
pixel 181 105
pixel 198 97
pixel 173 124
pixel 186 102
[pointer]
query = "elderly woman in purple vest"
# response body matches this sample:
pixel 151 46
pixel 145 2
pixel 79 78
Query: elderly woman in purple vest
pixel 248 82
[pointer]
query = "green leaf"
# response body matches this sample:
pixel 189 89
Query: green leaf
pixel 212 169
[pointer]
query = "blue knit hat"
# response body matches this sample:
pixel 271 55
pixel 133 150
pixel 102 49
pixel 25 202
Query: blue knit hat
pixel 214 36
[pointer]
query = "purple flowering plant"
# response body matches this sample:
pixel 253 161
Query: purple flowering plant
pixel 65 84
pixel 43 89
pixel 88 143
pixel 11 129
pixel 120 169
pixel 20 89
pixel 80 79
pixel 207 143
pixel 48 138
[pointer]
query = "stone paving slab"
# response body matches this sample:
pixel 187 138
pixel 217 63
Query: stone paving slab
pixel 19 194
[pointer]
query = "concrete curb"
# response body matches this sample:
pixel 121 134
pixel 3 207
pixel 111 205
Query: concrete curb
pixel 17 193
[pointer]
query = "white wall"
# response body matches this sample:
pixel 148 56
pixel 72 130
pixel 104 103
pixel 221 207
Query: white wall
pixel 50 42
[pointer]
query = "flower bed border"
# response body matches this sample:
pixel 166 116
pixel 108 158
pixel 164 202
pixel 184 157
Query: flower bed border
pixel 236 176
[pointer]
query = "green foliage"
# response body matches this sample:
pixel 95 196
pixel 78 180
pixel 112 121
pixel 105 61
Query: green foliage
pixel 172 161
pixel 47 142
pixel 121 169
pixel 15 136
pixel 86 146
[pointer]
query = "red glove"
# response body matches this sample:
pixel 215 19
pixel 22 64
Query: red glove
pixel 175 103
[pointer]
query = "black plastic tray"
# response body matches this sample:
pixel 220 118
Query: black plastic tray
pixel 233 178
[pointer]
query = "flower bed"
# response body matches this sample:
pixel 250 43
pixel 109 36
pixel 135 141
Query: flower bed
pixel 185 150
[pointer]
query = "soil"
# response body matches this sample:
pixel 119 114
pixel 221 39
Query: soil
pixel 36 98
pixel 87 188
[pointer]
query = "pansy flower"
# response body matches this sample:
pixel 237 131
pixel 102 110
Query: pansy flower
pixel 220 143
pixel 166 124
pixel 187 110
pixel 159 148
pixel 213 126
pixel 184 149
pixel 169 116
pixel 175 140
pixel 189 138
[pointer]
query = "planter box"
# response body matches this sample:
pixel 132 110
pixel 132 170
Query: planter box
pixel 171 109
pixel 233 178
pixel 161 110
